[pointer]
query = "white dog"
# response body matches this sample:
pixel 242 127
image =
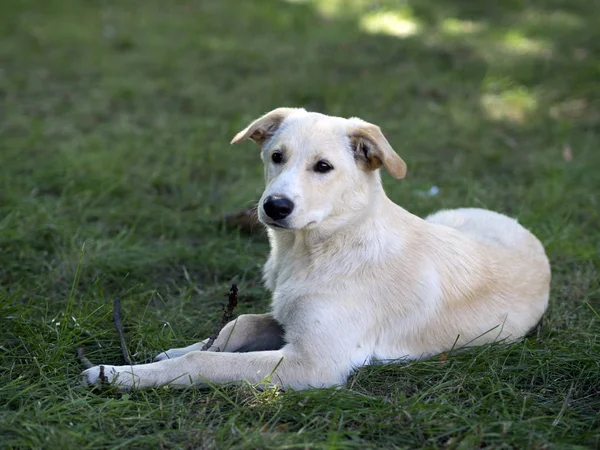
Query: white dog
pixel 355 278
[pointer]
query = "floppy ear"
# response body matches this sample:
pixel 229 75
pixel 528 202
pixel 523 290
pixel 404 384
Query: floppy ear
pixel 372 150
pixel 264 127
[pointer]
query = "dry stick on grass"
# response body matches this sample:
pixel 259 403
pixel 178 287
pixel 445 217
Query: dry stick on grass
pixel 120 330
pixel 80 352
pixel 227 316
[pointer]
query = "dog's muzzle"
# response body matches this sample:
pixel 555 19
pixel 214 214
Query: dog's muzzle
pixel 277 208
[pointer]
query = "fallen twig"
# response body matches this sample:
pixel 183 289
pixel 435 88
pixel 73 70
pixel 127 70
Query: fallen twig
pixel 226 317
pixel 120 330
pixel 80 353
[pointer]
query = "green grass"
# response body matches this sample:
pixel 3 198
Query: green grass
pixel 115 118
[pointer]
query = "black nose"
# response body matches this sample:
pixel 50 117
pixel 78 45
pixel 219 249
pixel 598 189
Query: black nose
pixel 278 208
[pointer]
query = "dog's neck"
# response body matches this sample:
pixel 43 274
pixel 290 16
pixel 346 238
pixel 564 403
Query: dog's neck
pixel 378 230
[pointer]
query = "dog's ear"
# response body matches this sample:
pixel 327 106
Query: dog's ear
pixel 372 150
pixel 264 127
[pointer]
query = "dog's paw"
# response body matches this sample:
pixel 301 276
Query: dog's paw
pixel 98 375
pixel 121 377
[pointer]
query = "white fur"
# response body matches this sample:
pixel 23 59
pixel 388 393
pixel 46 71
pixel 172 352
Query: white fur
pixel 355 278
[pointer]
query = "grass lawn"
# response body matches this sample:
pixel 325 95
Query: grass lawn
pixel 115 119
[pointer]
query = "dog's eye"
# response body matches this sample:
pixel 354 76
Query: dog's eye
pixel 277 157
pixel 323 167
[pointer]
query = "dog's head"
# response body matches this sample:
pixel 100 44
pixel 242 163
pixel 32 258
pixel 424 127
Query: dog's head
pixel 318 169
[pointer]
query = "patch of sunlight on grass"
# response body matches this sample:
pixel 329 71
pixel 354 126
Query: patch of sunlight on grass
pixel 372 18
pixel 456 27
pixel 393 23
pixel 337 8
pixel 516 42
pixel 512 104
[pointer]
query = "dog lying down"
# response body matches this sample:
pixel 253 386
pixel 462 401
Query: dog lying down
pixel 356 278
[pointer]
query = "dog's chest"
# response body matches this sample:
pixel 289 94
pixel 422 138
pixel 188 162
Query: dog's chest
pixel 300 290
pixel 333 277
pixel 293 295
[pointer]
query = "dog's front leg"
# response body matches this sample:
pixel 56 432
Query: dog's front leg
pixel 247 333
pixel 286 367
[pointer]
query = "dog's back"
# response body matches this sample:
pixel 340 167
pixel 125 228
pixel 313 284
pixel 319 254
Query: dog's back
pixel 488 227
